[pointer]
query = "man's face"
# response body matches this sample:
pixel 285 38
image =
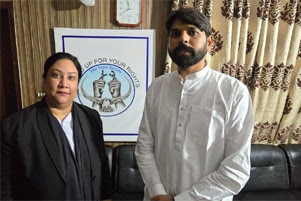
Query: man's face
pixel 187 44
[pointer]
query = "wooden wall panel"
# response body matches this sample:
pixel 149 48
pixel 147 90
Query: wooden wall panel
pixel 35 20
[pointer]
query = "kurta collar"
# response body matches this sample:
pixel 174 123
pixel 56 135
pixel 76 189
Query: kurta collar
pixel 197 75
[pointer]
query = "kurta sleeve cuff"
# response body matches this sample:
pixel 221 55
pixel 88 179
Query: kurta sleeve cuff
pixel 157 189
pixel 182 196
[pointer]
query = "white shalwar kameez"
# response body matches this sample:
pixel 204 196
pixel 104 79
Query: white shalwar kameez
pixel 195 137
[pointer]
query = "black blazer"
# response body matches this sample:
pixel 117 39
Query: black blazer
pixel 30 167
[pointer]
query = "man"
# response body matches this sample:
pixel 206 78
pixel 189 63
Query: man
pixel 194 137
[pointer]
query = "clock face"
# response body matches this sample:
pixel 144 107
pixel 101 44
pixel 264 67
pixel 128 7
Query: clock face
pixel 128 12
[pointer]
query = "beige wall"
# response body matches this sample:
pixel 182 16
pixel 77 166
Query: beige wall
pixel 35 20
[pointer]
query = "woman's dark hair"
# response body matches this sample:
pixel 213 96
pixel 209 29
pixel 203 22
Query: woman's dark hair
pixel 58 56
pixel 190 16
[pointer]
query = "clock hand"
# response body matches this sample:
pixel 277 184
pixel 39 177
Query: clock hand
pixel 128 3
pixel 126 10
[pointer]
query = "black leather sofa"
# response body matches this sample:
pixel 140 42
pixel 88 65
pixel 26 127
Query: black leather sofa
pixel 275 173
pixel 128 183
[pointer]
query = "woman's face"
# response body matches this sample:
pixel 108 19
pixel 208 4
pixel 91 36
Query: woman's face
pixel 61 83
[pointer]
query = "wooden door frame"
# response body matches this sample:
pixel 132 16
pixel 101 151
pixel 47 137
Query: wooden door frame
pixel 9 6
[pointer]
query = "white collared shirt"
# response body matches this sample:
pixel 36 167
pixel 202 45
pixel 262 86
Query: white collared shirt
pixel 194 139
pixel 67 126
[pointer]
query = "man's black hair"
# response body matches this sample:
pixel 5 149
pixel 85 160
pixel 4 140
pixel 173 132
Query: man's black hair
pixel 58 56
pixel 190 16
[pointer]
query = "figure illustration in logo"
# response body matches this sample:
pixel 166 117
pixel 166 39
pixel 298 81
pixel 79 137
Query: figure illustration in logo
pixel 98 87
pixel 103 104
pixel 115 87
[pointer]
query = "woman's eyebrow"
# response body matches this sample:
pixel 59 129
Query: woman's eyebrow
pixel 73 72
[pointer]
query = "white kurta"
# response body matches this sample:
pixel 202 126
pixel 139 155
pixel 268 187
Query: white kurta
pixel 195 137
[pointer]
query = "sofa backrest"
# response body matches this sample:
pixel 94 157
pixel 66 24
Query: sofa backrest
pixel 293 154
pixel 268 169
pixel 128 180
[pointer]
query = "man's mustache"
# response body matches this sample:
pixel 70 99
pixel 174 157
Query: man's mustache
pixel 182 47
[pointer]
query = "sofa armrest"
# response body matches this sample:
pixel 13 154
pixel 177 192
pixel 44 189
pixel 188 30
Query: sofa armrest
pixel 268 169
pixel 293 154
pixel 109 151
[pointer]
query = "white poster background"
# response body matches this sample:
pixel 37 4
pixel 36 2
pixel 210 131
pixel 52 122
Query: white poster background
pixel 130 54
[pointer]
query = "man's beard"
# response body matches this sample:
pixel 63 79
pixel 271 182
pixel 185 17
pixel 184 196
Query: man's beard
pixel 185 61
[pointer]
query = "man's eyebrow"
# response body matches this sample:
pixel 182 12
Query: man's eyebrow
pixel 192 27
pixel 174 29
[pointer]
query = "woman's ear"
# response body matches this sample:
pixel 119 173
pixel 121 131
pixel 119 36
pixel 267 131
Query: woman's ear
pixel 43 83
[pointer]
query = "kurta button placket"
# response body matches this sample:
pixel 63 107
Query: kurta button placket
pixel 180 134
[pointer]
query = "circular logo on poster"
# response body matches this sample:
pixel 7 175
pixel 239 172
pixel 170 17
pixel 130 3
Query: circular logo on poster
pixel 107 88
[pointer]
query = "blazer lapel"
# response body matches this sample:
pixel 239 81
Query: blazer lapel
pixel 92 129
pixel 92 143
pixel 49 139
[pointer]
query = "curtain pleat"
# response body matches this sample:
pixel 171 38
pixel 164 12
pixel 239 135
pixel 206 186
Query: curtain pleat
pixel 258 42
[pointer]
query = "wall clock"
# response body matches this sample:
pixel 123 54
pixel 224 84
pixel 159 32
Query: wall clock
pixel 128 12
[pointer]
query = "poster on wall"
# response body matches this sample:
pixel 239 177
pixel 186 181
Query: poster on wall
pixel 117 69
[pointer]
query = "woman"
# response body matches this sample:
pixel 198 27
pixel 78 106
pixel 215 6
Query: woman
pixel 54 149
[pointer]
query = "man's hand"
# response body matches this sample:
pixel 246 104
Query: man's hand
pixel 162 198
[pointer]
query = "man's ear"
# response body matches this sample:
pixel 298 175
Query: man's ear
pixel 168 41
pixel 209 42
